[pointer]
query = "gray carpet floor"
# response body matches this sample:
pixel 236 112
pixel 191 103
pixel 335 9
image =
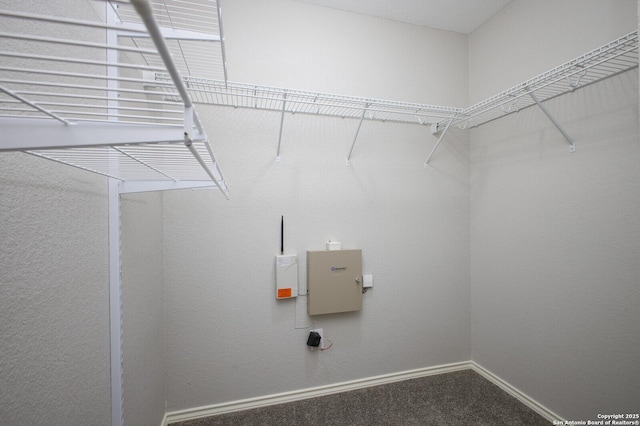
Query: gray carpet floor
pixel 459 398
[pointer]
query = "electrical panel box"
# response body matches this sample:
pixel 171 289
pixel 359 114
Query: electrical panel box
pixel 334 281
pixel 286 276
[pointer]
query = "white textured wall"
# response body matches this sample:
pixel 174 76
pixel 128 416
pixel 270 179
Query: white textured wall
pixel 54 294
pixel 530 37
pixel 54 282
pixel 228 338
pixel 142 296
pixel 555 238
pixel 286 43
pixel 553 248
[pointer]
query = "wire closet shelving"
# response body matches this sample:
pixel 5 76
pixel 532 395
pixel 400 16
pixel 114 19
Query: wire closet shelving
pixel 126 116
pixel 611 59
pixel 115 95
pixel 73 90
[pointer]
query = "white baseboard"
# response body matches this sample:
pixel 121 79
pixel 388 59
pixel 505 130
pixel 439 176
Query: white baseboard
pixel 521 396
pixel 280 398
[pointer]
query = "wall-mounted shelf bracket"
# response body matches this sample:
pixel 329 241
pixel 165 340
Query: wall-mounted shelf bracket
pixel 575 82
pixel 284 107
pixel 434 130
pixel 508 107
pixel 572 145
pixel 364 111
pixel 33 105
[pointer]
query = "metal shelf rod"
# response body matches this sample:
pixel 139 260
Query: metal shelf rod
pixel 79 61
pixel 435 147
pixel 68 42
pixel 86 169
pixel 76 86
pixel 66 21
pixel 31 104
pixel 164 111
pixel 572 145
pixel 206 168
pixel 100 98
pixel 77 75
pixel 284 105
pixel 144 163
pixel 364 111
pixel 146 13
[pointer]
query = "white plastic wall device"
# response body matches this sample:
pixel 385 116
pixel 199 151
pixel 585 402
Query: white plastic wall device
pixel 286 276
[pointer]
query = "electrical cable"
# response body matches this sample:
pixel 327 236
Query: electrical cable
pixel 328 347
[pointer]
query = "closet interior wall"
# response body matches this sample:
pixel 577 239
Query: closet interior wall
pixel 416 227
pixel 311 187
pixel 143 304
pixel 412 224
pixel 54 303
pixel 72 90
pixel 55 294
pixel 554 240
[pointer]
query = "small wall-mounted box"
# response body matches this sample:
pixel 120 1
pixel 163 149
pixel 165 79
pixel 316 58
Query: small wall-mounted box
pixel 334 281
pixel 334 245
pixel 286 276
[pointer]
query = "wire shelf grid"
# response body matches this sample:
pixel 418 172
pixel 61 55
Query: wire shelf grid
pixel 148 162
pixel 60 69
pixel 240 95
pixel 606 61
pixel 194 35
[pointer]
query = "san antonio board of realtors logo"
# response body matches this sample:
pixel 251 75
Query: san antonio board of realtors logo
pixel 338 268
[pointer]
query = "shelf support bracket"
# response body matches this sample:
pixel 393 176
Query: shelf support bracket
pixel 435 148
pixel 364 111
pixel 284 106
pixel 572 145
pixel 33 105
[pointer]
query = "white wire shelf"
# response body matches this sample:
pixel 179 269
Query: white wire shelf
pixel 61 70
pixel 240 95
pixel 611 59
pixel 69 96
pixel 192 30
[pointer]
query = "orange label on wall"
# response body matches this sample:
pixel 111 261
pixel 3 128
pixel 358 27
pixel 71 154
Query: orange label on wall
pixel 284 292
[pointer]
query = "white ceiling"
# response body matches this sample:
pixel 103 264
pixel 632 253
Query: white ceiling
pixel 463 16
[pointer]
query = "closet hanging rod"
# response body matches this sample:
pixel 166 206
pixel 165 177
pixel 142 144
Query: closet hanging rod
pixel 191 117
pixel 146 13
